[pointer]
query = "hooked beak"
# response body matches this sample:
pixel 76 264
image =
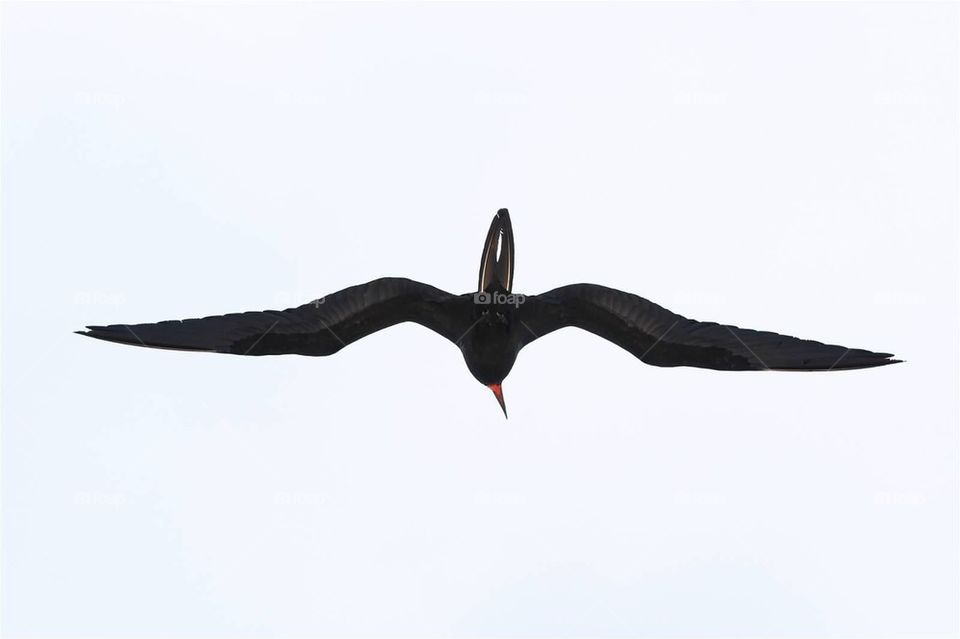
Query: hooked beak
pixel 498 392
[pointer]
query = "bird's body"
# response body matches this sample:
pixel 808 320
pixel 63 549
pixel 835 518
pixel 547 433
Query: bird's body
pixel 492 325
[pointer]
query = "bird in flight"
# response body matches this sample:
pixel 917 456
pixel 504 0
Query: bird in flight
pixel 492 324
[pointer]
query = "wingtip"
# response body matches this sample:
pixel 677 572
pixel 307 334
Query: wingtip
pixel 95 332
pixel 882 362
pixel 885 361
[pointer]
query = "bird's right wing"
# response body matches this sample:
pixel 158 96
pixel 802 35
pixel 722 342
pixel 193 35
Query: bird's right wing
pixel 663 338
pixel 320 327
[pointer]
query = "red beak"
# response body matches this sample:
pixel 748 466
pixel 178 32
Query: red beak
pixel 499 394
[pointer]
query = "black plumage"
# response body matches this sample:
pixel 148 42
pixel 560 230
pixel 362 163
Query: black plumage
pixel 492 324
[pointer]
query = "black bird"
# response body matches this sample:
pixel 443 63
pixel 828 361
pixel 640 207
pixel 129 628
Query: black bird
pixel 491 325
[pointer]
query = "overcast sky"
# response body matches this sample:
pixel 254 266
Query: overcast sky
pixel 776 166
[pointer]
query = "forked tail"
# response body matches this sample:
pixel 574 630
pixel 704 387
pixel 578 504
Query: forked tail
pixel 496 265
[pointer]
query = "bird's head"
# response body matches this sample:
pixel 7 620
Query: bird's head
pixel 491 374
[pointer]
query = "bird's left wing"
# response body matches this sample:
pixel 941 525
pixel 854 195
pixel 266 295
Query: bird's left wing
pixel 320 327
pixel 663 338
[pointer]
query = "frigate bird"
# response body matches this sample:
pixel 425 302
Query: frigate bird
pixel 492 324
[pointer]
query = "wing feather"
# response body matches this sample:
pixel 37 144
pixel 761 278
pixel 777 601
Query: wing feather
pixel 320 327
pixel 662 338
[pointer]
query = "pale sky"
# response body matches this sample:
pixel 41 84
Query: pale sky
pixel 776 166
